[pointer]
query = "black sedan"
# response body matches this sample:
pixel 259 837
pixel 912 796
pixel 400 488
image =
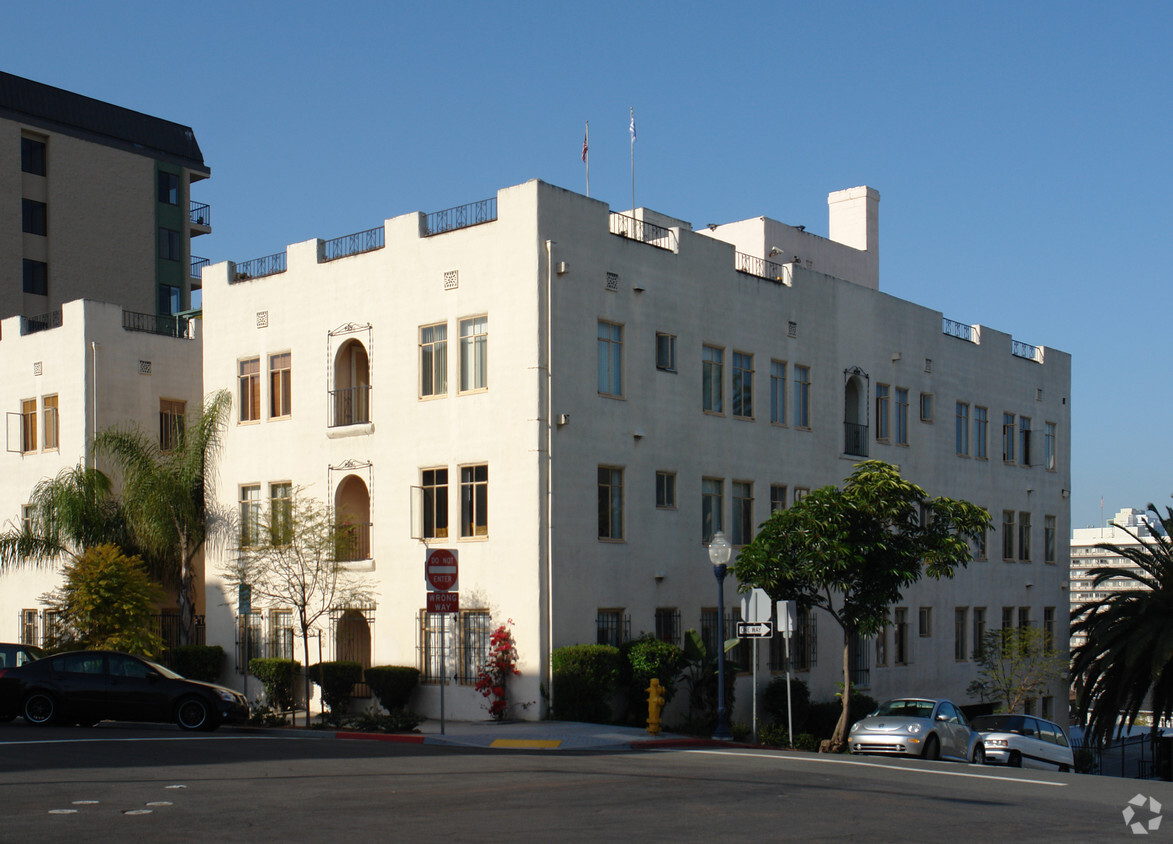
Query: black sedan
pixel 85 687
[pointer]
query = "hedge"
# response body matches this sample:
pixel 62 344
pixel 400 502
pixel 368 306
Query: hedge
pixel 198 662
pixel 276 675
pixel 584 678
pixel 392 684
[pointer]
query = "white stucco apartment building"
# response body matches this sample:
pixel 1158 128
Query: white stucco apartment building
pixel 574 399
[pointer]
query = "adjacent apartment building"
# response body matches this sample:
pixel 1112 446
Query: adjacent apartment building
pixel 574 400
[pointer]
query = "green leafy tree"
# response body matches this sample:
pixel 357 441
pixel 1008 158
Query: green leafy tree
pixel 1125 661
pixel 852 551
pixel 293 559
pixel 106 602
pixel 1015 665
pixel 164 496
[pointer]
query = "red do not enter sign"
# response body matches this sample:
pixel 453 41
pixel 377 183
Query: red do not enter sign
pixel 440 569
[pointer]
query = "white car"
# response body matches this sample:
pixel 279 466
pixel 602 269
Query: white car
pixel 927 727
pixel 1024 741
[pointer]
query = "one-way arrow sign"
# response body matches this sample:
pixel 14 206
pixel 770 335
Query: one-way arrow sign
pixel 755 629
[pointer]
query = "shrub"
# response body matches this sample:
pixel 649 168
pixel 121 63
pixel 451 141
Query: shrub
pixel 336 679
pixel 741 731
pixel 198 662
pixel 392 684
pixel 774 702
pixel 641 660
pixel 823 716
pixel 584 678
pixel 395 721
pixel 773 735
pixel 806 742
pixel 276 675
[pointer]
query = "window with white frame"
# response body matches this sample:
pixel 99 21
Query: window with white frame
pixel 281 634
pixel 743 527
pixel 712 379
pixel 883 400
pixel 474 500
pixel 901 416
pixel 1049 446
pixel 610 502
pixel 962 434
pixel 1007 437
pixel 926 622
pixel 474 353
pixel 666 490
pixel 250 515
pixel 248 381
pixel 1007 534
pixel 926 407
pixel 1049 523
pixel 433 360
pixel 712 507
pixel 610 359
pixel 778 392
pixel 665 352
pixel 281 512
pixel 777 497
pixel 172 418
pixel 981 425
pixel 743 385
pixel 28 426
pixel 802 396
pixel 280 385
pixel 50 422
pixel 435 495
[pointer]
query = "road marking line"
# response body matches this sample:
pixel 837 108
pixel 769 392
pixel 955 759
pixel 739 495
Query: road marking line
pixel 142 738
pixel 527 743
pixel 63 811
pixel 84 802
pixel 138 812
pixel 160 803
pixel 933 771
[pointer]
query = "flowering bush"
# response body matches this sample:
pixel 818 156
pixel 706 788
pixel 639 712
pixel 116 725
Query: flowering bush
pixel 499 666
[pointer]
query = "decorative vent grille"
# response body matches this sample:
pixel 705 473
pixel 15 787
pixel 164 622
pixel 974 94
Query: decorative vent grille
pixel 928 364
pixel 792 329
pixel 613 282
pixel 452 279
pixel 144 367
pixel 262 319
pixel 36 367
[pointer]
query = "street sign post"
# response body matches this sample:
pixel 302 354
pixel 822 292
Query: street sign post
pixel 440 568
pixel 788 623
pixel 444 602
pixel 755 611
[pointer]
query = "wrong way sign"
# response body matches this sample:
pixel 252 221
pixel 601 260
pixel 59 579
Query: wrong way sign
pixel 440 569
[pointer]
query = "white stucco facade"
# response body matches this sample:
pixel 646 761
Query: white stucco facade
pixel 547 283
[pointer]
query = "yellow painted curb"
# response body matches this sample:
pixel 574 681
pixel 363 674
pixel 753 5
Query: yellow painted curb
pixel 527 743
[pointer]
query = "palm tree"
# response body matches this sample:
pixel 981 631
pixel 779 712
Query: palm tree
pixel 1126 658
pixel 163 495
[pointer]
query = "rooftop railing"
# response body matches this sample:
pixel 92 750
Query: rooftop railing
pixel 1027 351
pixel 959 330
pixel 165 325
pixel 760 267
pixel 201 214
pixel 41 322
pixel 460 217
pixel 260 267
pixel 353 244
pixel 649 233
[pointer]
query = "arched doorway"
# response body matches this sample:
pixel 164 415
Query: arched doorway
pixel 855 410
pixel 352 643
pixel 350 400
pixel 352 517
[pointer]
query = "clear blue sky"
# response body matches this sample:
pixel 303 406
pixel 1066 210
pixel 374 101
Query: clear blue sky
pixel 1022 149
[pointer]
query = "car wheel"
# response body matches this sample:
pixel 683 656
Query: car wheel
pixel 979 754
pixel 40 708
pixel 932 748
pixel 1015 760
pixel 193 714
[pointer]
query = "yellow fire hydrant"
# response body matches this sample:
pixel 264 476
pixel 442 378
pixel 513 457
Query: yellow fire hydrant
pixel 655 704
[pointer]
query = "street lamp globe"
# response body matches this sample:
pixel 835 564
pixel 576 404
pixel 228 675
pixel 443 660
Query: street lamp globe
pixel 719 549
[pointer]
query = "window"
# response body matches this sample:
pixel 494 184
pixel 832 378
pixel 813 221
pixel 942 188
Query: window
pixel 979 631
pixel 435 485
pixel 1049 539
pixel 32 156
pixel 610 503
pixel 1007 437
pixel 742 513
pixel 804 646
pixel 49 421
pixel 249 386
pixel 778 392
pixel 611 627
pixel 280 378
pixel 960 626
pixel 250 515
pixel 1007 617
pixel 476 630
pixel 1049 628
pixel 712 377
pixel 34 219
pixel 435 627
pixel 474 354
pixel 712 507
pixel 434 360
pixel 800 492
pixel 281 512
pixel 900 636
pixel 666 490
pixel 802 395
pixel 882 402
pixel 882 647
pixel 172 416
pixel 281 634
pixel 36 277
pixel 1024 440
pixel 668 625
pixel 610 359
pixel 1023 618
pixel 1024 537
pixel 743 385
pixel 979 544
pixel 167 299
pixel 926 407
pixel 777 497
pixel 168 188
pixel 962 439
pixel 901 416
pixel 169 244
pixel 1007 534
pixel 28 627
pixel 925 626
pixel 28 426
pixel 1048 711
pixel 665 352
pixel 980 427
pixel 474 500
pixel 1049 446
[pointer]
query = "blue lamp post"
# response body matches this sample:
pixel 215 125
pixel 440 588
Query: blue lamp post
pixel 719 553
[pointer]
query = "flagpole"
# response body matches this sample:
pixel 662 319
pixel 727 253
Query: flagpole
pixel 632 128
pixel 586 156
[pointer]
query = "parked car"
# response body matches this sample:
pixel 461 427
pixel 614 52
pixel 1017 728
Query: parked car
pixel 14 655
pixel 1024 741
pixel 85 687
pixel 931 728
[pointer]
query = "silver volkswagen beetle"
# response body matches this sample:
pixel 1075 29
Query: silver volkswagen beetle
pixel 912 726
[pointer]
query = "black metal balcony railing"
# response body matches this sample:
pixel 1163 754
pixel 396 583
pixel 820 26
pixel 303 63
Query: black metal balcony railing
pixel 649 233
pixel 1025 350
pixel 353 244
pixel 855 439
pixel 760 267
pixel 201 214
pixel 354 543
pixel 351 406
pixel 164 325
pixel 260 267
pixel 460 217
pixel 959 330
pixel 197 266
pixel 41 322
